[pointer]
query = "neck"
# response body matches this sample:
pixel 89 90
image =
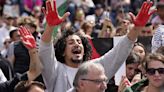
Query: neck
pixel 74 65
pixel 152 89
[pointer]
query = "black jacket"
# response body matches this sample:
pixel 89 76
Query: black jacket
pixel 9 86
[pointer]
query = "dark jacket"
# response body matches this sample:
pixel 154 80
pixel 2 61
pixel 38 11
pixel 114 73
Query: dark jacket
pixel 9 86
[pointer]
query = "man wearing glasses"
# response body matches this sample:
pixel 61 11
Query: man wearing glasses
pixel 90 77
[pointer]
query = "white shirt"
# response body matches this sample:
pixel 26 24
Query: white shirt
pixel 71 72
pixel 158 38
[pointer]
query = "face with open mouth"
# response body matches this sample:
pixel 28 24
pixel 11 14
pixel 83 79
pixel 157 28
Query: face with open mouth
pixel 74 50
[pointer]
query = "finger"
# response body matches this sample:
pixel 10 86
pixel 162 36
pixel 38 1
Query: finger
pixel 23 39
pixel 44 11
pixel 148 7
pixel 25 31
pixel 52 4
pixel 55 8
pixel 22 34
pixel 65 16
pixel 132 17
pixel 142 10
pixel 152 12
pixel 48 6
pixel 28 31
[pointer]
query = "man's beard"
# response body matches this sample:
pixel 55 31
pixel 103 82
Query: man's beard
pixel 77 61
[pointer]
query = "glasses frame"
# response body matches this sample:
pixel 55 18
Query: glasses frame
pixel 151 71
pixel 97 81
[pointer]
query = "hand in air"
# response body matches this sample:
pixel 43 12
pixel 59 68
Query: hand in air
pixel 124 83
pixel 143 16
pixel 51 13
pixel 27 38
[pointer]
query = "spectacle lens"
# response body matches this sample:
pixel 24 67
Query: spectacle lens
pixel 151 71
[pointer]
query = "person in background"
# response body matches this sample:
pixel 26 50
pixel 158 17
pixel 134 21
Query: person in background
pixel 147 30
pixel 159 18
pixel 32 86
pixel 6 46
pixel 154 67
pixel 5 29
pixel 29 6
pixel 158 39
pixel 14 36
pixel 108 30
pixel 132 63
pixel 87 28
pixel 35 67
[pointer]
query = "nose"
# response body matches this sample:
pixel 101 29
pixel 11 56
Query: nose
pixel 157 73
pixel 104 85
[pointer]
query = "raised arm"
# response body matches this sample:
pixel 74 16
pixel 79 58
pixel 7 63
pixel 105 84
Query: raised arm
pixel 30 43
pixel 52 19
pixel 114 58
pixel 140 20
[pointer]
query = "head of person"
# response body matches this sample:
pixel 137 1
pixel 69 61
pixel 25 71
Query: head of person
pixel 154 66
pixel 147 30
pixel 132 63
pixel 14 36
pixel 160 9
pixel 99 9
pixel 30 23
pixel 87 27
pixel 72 49
pixel 32 86
pixel 7 42
pixel 90 78
pixel 79 15
pixel 139 48
pixel 9 20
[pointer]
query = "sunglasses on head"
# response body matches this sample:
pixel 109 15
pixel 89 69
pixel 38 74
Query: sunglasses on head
pixel 151 71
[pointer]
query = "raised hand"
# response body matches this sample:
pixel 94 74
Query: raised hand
pixel 27 38
pixel 143 15
pixel 123 84
pixel 51 14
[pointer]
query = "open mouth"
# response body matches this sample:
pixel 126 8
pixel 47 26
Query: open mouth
pixel 76 50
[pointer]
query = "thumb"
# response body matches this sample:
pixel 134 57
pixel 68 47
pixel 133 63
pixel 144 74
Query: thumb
pixel 65 16
pixel 132 16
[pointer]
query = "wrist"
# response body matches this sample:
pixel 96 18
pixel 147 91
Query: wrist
pixel 34 50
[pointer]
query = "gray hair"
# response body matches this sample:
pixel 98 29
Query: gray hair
pixel 84 69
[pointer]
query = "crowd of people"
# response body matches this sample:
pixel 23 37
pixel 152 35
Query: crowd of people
pixel 41 51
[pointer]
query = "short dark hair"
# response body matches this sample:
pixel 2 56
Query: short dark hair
pixel 132 58
pixel 12 32
pixel 25 86
pixel 160 5
pixel 61 44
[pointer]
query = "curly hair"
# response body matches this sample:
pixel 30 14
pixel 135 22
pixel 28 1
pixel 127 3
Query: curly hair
pixel 61 45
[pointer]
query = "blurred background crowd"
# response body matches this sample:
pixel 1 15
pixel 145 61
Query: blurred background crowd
pixel 91 18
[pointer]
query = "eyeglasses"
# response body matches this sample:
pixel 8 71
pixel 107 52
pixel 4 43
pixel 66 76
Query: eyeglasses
pixel 97 81
pixel 7 42
pixel 151 71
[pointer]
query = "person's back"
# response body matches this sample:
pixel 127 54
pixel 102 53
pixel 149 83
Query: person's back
pixel 22 58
